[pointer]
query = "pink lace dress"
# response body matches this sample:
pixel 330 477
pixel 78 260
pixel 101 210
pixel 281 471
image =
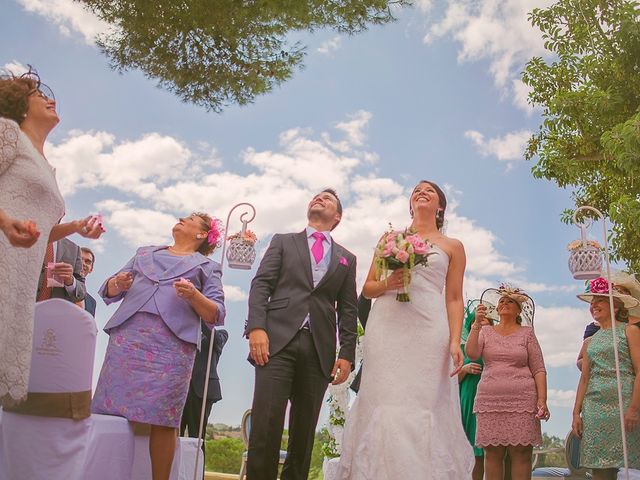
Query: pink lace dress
pixel 506 402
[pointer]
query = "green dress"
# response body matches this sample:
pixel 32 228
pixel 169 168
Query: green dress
pixel 468 388
pixel 602 440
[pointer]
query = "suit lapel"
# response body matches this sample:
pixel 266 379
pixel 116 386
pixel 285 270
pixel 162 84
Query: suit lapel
pixel 336 253
pixel 302 245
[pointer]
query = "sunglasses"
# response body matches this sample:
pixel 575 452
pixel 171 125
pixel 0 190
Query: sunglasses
pixel 42 90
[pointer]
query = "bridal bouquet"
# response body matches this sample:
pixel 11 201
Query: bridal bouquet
pixel 401 249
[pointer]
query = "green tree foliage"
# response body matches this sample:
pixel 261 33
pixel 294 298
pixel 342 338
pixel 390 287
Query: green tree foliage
pixel 224 455
pixel 589 94
pixel 218 52
pixel 554 458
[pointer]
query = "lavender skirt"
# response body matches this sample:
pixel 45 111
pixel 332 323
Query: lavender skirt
pixel 146 373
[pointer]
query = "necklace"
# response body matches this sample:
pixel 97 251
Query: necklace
pixel 172 249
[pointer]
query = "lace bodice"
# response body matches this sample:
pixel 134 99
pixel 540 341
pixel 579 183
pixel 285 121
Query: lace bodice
pixel 28 191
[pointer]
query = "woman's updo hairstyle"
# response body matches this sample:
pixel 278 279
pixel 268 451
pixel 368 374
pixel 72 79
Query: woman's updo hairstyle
pixel 442 202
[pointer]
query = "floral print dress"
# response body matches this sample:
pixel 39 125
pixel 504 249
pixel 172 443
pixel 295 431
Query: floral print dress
pixel 602 438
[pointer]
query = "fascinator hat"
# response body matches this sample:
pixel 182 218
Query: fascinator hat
pixel 492 296
pixel 599 287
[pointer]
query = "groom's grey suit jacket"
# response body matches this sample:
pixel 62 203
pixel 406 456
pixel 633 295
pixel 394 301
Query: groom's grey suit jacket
pixel 282 294
pixel 68 252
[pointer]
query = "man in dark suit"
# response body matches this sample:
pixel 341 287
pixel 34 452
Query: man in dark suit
pixel 364 307
pixel 191 413
pixel 66 255
pixel 88 261
pixel 304 282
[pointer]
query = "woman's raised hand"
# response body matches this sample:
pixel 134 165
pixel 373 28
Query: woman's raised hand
pixel 23 234
pixel 122 281
pixel 481 317
pixel 90 227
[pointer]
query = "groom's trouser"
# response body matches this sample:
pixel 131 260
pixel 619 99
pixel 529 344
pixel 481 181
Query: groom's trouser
pixel 294 373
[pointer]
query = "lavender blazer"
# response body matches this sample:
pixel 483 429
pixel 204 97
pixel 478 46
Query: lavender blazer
pixel 148 282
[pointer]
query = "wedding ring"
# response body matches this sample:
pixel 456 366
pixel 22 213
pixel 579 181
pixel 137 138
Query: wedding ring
pixel 85 229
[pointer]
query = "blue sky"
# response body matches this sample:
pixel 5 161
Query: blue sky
pixel 435 95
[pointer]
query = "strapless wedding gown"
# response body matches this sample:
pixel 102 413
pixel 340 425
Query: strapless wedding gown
pixel 405 422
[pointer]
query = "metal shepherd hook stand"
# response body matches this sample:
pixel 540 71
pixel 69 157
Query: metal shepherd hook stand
pixel 583 225
pixel 206 383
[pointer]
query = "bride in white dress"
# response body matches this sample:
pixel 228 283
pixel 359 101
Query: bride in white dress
pixel 405 422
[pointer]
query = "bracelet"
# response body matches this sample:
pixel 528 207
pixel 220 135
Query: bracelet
pixel 476 327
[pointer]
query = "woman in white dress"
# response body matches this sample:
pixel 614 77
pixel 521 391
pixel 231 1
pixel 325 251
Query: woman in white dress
pixel 30 208
pixel 405 422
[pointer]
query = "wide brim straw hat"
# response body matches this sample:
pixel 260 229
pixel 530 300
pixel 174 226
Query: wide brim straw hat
pixel 599 287
pixel 629 283
pixel 527 306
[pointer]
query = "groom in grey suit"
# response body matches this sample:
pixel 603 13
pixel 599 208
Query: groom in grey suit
pixel 303 293
pixel 74 290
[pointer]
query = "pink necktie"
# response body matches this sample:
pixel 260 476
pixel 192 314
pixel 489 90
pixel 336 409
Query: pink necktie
pixel 317 249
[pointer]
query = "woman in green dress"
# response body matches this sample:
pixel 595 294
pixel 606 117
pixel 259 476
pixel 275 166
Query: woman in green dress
pixel 596 417
pixel 468 378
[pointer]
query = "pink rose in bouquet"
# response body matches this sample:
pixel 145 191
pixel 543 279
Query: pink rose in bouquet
pixel 401 249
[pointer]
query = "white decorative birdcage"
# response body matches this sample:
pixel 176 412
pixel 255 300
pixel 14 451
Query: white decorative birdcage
pixel 585 260
pixel 240 254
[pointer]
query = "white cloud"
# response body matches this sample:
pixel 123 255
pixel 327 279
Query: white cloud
pixel 355 127
pixel 507 148
pixel 138 226
pixel 233 293
pixel 561 398
pixel 163 178
pixel 14 67
pixel 92 159
pixel 331 45
pixel 496 31
pixel 70 17
pixel 559 330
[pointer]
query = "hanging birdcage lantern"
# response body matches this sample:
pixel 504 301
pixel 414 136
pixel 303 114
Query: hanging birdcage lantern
pixel 585 259
pixel 241 251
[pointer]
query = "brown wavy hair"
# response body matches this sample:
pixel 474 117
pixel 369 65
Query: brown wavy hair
pixel 14 97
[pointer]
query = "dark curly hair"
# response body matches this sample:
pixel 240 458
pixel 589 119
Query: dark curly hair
pixel 14 96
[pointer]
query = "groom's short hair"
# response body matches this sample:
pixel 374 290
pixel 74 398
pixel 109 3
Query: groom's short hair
pixel 335 194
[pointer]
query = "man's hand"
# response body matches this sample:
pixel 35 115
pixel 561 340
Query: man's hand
pixel 341 371
pixel 259 346
pixel 64 272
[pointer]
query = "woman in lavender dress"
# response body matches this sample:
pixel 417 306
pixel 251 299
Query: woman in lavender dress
pixel 512 393
pixel 153 335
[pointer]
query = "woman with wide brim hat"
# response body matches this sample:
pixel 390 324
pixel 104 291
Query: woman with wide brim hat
pixel 596 416
pixel 625 283
pixel 512 393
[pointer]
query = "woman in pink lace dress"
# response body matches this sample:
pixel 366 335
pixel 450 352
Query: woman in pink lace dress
pixel 512 393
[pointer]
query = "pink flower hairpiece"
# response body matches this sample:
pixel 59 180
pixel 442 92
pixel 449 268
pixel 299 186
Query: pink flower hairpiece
pixel 215 233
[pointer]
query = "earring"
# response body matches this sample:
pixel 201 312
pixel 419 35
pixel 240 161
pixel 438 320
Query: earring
pixel 199 236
